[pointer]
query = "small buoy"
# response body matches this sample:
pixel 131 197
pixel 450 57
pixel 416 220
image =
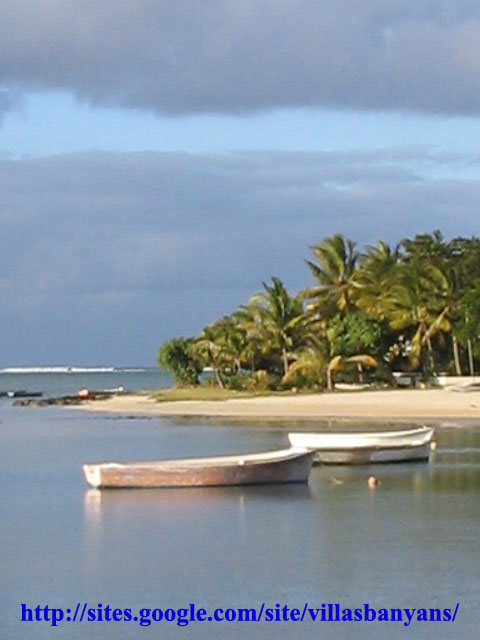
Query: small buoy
pixel 83 393
pixel 372 482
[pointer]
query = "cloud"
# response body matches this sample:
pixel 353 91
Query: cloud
pixel 9 100
pixel 224 56
pixel 126 250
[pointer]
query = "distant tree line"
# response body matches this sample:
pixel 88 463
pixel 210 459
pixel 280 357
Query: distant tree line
pixel 414 307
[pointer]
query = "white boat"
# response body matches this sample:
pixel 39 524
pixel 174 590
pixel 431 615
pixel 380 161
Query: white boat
pixel 365 447
pixel 288 465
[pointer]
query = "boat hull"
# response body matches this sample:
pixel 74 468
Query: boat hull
pixel 368 447
pixel 292 465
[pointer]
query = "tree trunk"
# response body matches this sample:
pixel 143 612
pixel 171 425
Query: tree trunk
pixel 470 358
pixel 360 373
pixel 430 356
pixel 456 356
pixel 330 380
pixel 218 378
pixel 285 361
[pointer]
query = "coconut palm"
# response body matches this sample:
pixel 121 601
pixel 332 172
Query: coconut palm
pixel 232 339
pixel 426 247
pixel 335 364
pixel 209 347
pixel 334 269
pixel 280 319
pixel 419 302
pixel 464 272
pixel 468 323
pixel 308 368
pixel 374 277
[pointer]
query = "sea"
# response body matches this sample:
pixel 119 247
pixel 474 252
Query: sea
pixel 64 380
pixel 331 546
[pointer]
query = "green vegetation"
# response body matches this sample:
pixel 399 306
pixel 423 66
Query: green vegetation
pixel 415 307
pixel 201 393
pixel 180 356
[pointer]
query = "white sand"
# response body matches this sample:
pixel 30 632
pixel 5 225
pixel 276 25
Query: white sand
pixel 396 404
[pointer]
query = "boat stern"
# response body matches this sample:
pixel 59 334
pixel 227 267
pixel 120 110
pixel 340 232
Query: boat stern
pixel 91 473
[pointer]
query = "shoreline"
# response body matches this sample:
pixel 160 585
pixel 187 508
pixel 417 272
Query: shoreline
pixel 398 404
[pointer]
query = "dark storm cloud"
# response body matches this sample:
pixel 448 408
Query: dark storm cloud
pixel 107 222
pixel 185 56
pixel 124 250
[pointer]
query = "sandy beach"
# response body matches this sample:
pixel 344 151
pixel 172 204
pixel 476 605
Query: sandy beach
pixel 375 405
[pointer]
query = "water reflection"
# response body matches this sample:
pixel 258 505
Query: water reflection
pixel 166 501
pixel 171 513
pixel 412 540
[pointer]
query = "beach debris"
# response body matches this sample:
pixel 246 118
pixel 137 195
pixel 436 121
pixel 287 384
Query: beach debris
pixel 69 400
pixel 336 480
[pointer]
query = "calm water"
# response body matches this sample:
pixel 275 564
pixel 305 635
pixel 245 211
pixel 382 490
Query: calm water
pixel 60 381
pixel 411 543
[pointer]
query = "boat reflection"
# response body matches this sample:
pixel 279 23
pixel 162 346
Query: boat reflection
pixel 162 518
pixel 165 500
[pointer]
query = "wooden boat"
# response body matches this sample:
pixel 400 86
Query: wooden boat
pixel 366 447
pixel 286 465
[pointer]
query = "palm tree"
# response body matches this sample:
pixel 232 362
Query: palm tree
pixel 419 301
pixel 334 269
pixel 280 319
pixel 360 360
pixel 374 277
pixel 232 339
pixel 250 340
pixel 209 347
pixel 426 247
pixel 226 346
pixel 468 325
pixel 308 367
pixel 464 273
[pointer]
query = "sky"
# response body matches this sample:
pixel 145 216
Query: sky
pixel 160 159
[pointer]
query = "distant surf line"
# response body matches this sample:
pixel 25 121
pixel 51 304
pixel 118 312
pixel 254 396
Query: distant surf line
pixel 67 369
